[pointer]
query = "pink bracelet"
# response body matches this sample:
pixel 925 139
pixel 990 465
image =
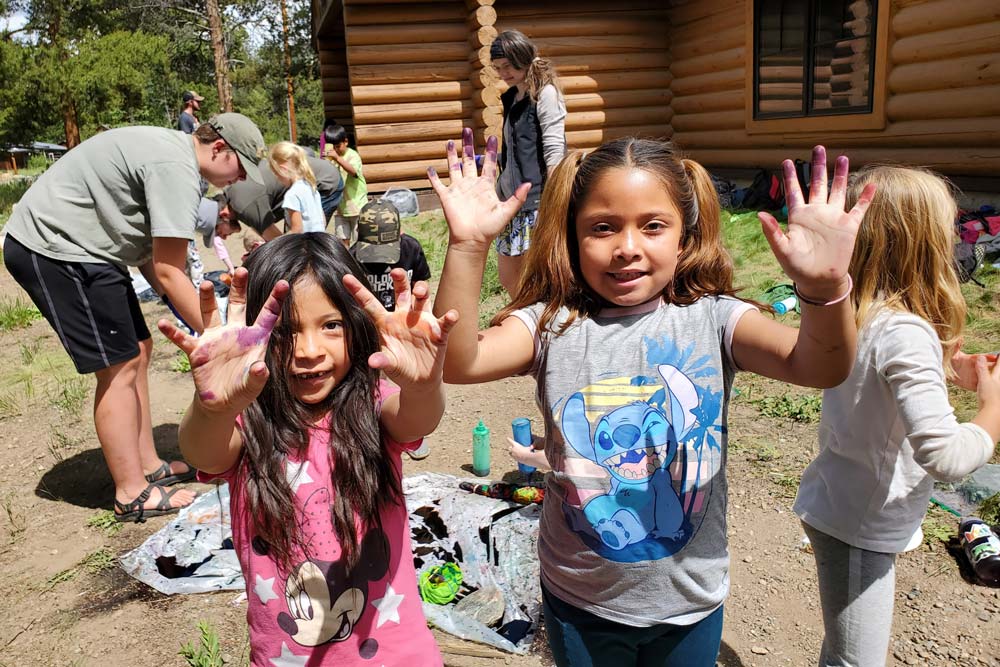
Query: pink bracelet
pixel 811 302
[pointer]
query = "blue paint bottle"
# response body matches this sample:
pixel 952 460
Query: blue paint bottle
pixel 522 436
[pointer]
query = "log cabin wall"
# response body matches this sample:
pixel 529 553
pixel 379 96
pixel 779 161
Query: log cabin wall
pixel 332 51
pixel 940 90
pixel 612 59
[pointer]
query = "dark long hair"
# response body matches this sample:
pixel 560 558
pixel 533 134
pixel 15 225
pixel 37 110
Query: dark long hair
pixel 552 265
pixel 276 424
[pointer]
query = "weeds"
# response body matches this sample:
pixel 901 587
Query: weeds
pixel 60 443
pixel 94 562
pixel 71 395
pixel 787 483
pixel 208 652
pixel 989 510
pixel 805 409
pixel 9 405
pixel 28 351
pixel 765 453
pixel 16 314
pixel 181 364
pixel 15 518
pixel 106 522
pixel 938 526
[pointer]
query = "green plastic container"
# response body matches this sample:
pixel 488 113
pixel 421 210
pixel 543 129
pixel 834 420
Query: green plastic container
pixel 481 450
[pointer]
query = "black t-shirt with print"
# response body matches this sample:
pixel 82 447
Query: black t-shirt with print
pixel 411 258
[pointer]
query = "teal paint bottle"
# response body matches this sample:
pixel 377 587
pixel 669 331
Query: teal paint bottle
pixel 481 450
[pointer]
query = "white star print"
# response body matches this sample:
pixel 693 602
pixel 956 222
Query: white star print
pixel 388 607
pixel 264 588
pixel 297 474
pixel 289 659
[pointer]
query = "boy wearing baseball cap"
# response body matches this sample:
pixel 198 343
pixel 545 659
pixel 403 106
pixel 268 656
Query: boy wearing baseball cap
pixel 124 197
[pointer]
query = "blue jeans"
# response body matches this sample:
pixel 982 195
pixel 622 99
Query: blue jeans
pixel 581 639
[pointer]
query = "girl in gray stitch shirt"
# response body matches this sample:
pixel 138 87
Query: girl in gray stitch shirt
pixel 625 317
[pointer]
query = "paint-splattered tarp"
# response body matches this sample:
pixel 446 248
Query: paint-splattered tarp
pixel 493 541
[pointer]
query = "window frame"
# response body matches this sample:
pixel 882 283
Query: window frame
pixel 873 120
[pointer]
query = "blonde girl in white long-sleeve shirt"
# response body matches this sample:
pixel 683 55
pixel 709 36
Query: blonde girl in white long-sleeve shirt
pixel 888 431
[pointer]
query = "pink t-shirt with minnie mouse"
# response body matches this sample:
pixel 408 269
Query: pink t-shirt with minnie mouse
pixel 320 613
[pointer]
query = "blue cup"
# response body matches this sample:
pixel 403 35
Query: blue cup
pixel 522 436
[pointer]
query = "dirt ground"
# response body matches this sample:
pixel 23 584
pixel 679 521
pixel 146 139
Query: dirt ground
pixel 66 604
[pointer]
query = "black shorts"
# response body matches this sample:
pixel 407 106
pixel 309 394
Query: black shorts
pixel 91 306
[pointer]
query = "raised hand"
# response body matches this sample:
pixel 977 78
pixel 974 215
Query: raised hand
pixel 413 340
pixel 966 367
pixel 816 249
pixel 474 212
pixel 227 362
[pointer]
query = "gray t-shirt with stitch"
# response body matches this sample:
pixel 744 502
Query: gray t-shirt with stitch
pixel 635 406
pixel 105 200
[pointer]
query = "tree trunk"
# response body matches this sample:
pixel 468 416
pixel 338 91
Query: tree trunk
pixel 293 129
pixel 219 53
pixel 70 123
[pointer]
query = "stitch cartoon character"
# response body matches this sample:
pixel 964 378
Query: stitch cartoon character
pixel 635 444
pixel 326 600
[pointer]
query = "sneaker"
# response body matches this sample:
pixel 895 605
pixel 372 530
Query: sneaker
pixel 421 452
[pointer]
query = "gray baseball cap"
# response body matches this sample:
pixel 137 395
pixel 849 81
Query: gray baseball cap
pixel 243 137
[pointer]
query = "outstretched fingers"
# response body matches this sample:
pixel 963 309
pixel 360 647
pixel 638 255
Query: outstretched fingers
pixel 838 193
pixel 817 175
pixel 468 154
pixel 209 307
pixel 400 288
pixel 772 232
pixel 514 203
pixel 364 297
pixel 793 193
pixel 184 341
pixel 864 201
pixel 236 312
pixel 268 316
pixel 490 161
pixel 454 161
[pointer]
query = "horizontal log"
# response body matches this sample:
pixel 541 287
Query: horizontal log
pixel 410 73
pixel 338 71
pixel 335 97
pixel 333 56
pixel 410 184
pixel 728 100
pixel 599 81
pixel 951 43
pixel 711 120
pixel 616 99
pixel 611 23
pixel 688 12
pixel 983 161
pixel 979 69
pixel 599 136
pixel 383 14
pixel 488 117
pixel 532 8
pixel 411 92
pixel 410 150
pixel 385 133
pixel 932 133
pixel 339 112
pixel 712 82
pixel 553 47
pixel 403 33
pixel 566 65
pixel 712 42
pixel 413 111
pixel 411 169
pixel 968 102
pixel 943 14
pixel 719 21
pixel 391 54
pixel 585 120
pixel 711 62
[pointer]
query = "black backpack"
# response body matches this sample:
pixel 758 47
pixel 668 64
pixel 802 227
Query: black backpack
pixel 764 193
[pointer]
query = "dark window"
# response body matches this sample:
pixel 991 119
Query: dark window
pixel 813 57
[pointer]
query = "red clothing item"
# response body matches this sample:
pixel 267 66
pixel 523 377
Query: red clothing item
pixel 320 613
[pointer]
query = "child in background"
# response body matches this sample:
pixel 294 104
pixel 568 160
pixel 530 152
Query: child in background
pixel 303 204
pixel 889 431
pixel 355 196
pixel 291 413
pixel 382 247
pixel 625 317
pixel 216 221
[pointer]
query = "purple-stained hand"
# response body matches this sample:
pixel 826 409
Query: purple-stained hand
pixel 227 362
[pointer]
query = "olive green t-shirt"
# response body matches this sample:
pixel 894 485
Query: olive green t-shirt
pixel 355 187
pixel 106 199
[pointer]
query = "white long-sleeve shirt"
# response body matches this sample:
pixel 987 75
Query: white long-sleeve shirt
pixel 887 432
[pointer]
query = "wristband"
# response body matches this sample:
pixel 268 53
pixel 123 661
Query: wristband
pixel 813 302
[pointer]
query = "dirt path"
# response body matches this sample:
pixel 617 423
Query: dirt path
pixel 64 606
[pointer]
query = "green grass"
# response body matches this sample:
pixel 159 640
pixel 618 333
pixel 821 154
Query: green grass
pixel 94 562
pixel 71 395
pixel 805 408
pixel 989 510
pixel 181 364
pixel 105 521
pixel 207 652
pixel 17 314
pixel 938 526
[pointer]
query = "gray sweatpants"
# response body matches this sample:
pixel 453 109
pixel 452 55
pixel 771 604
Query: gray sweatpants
pixel 856 591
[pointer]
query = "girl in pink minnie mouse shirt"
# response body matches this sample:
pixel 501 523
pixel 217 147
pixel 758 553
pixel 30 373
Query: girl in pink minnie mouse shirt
pixel 290 412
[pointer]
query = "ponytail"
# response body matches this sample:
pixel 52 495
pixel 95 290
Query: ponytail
pixel 704 266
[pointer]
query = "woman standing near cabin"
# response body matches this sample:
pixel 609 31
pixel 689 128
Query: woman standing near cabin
pixel 534 140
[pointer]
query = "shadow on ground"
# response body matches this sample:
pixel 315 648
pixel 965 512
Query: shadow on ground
pixel 83 479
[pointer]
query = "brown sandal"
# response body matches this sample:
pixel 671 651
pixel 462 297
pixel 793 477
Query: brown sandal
pixel 135 510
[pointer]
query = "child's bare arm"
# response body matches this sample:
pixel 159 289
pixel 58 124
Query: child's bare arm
pixel 228 371
pixel 815 252
pixel 294 221
pixel 988 391
pixel 475 216
pixel 412 356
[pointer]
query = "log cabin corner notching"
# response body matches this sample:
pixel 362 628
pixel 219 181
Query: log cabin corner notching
pixel 735 83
